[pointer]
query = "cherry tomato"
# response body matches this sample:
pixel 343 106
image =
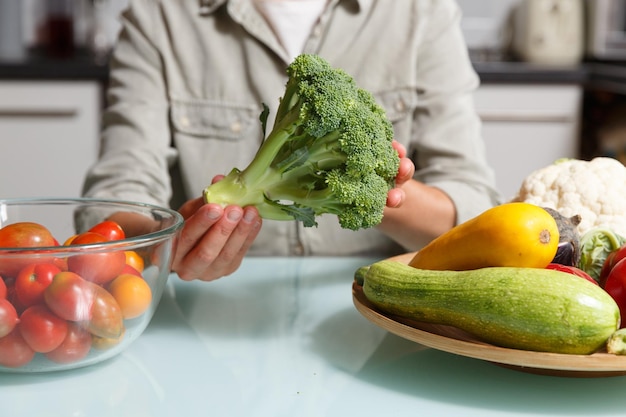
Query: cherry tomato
pixel 23 235
pixel 132 293
pixel 42 329
pixel 69 240
pixel 74 347
pixel 130 270
pixel 616 287
pixel 14 351
pixel 3 288
pixel 70 297
pixel 572 270
pixel 8 317
pixel 32 281
pixel 109 229
pixel 98 267
pixel 135 260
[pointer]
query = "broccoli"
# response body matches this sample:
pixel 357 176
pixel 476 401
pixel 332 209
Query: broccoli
pixel 329 152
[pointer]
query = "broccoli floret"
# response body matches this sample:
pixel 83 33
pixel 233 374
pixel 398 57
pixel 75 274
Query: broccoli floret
pixel 329 152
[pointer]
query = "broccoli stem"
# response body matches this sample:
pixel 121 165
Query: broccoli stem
pixel 242 187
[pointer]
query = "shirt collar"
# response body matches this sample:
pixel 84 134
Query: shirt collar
pixel 206 7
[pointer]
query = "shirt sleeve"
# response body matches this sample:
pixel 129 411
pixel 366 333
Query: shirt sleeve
pixel 449 150
pixel 135 152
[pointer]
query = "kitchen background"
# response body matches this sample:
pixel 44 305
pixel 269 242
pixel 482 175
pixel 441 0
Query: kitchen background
pixel 553 82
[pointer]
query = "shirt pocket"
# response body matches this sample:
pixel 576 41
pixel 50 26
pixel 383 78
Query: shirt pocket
pixel 400 105
pixel 215 119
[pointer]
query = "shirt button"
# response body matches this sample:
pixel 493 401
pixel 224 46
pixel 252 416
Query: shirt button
pixel 400 105
pixel 235 127
pixel 184 121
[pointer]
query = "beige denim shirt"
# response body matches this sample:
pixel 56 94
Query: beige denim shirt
pixel 188 79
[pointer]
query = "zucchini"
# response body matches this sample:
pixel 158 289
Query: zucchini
pixel 522 308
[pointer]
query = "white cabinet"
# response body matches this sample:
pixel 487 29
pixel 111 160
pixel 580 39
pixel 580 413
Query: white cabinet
pixel 526 127
pixel 48 136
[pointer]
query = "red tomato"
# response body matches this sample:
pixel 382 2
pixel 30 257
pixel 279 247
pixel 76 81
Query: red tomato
pixel 74 347
pixel 616 287
pixel 572 270
pixel 8 317
pixel 14 351
pixel 109 229
pixel 23 235
pixel 32 281
pixel 3 288
pixel 98 267
pixel 70 297
pixel 12 297
pixel 26 235
pixel 611 260
pixel 42 329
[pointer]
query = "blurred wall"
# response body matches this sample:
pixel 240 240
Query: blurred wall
pixel 485 22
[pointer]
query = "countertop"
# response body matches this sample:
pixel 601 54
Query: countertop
pixel 282 338
pixel 83 66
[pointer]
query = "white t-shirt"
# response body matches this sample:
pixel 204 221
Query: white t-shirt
pixel 291 20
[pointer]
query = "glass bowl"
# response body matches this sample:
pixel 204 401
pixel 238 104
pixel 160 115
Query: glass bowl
pixel 66 305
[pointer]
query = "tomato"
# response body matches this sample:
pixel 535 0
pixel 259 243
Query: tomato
pixel 135 260
pixel 69 240
pixel 572 270
pixel 98 267
pixel 132 293
pixel 109 229
pixel 23 235
pixel 74 347
pixel 12 297
pixel 8 317
pixel 616 287
pixel 106 315
pixel 3 288
pixel 42 329
pixel 611 260
pixel 104 343
pixel 61 263
pixel 32 281
pixel 130 270
pixel 14 351
pixel 26 235
pixel 70 297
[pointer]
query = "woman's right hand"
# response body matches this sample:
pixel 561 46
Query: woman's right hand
pixel 214 239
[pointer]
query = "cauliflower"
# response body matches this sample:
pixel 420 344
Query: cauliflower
pixel 595 190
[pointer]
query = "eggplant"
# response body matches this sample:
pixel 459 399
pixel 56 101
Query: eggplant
pixel 568 251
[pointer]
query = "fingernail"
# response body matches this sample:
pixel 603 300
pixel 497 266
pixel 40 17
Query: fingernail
pixel 234 215
pixel 249 216
pixel 214 214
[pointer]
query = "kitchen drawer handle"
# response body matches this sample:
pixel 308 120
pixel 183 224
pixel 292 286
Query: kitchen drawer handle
pixel 27 113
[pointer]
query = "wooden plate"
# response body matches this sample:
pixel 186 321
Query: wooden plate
pixel 453 340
